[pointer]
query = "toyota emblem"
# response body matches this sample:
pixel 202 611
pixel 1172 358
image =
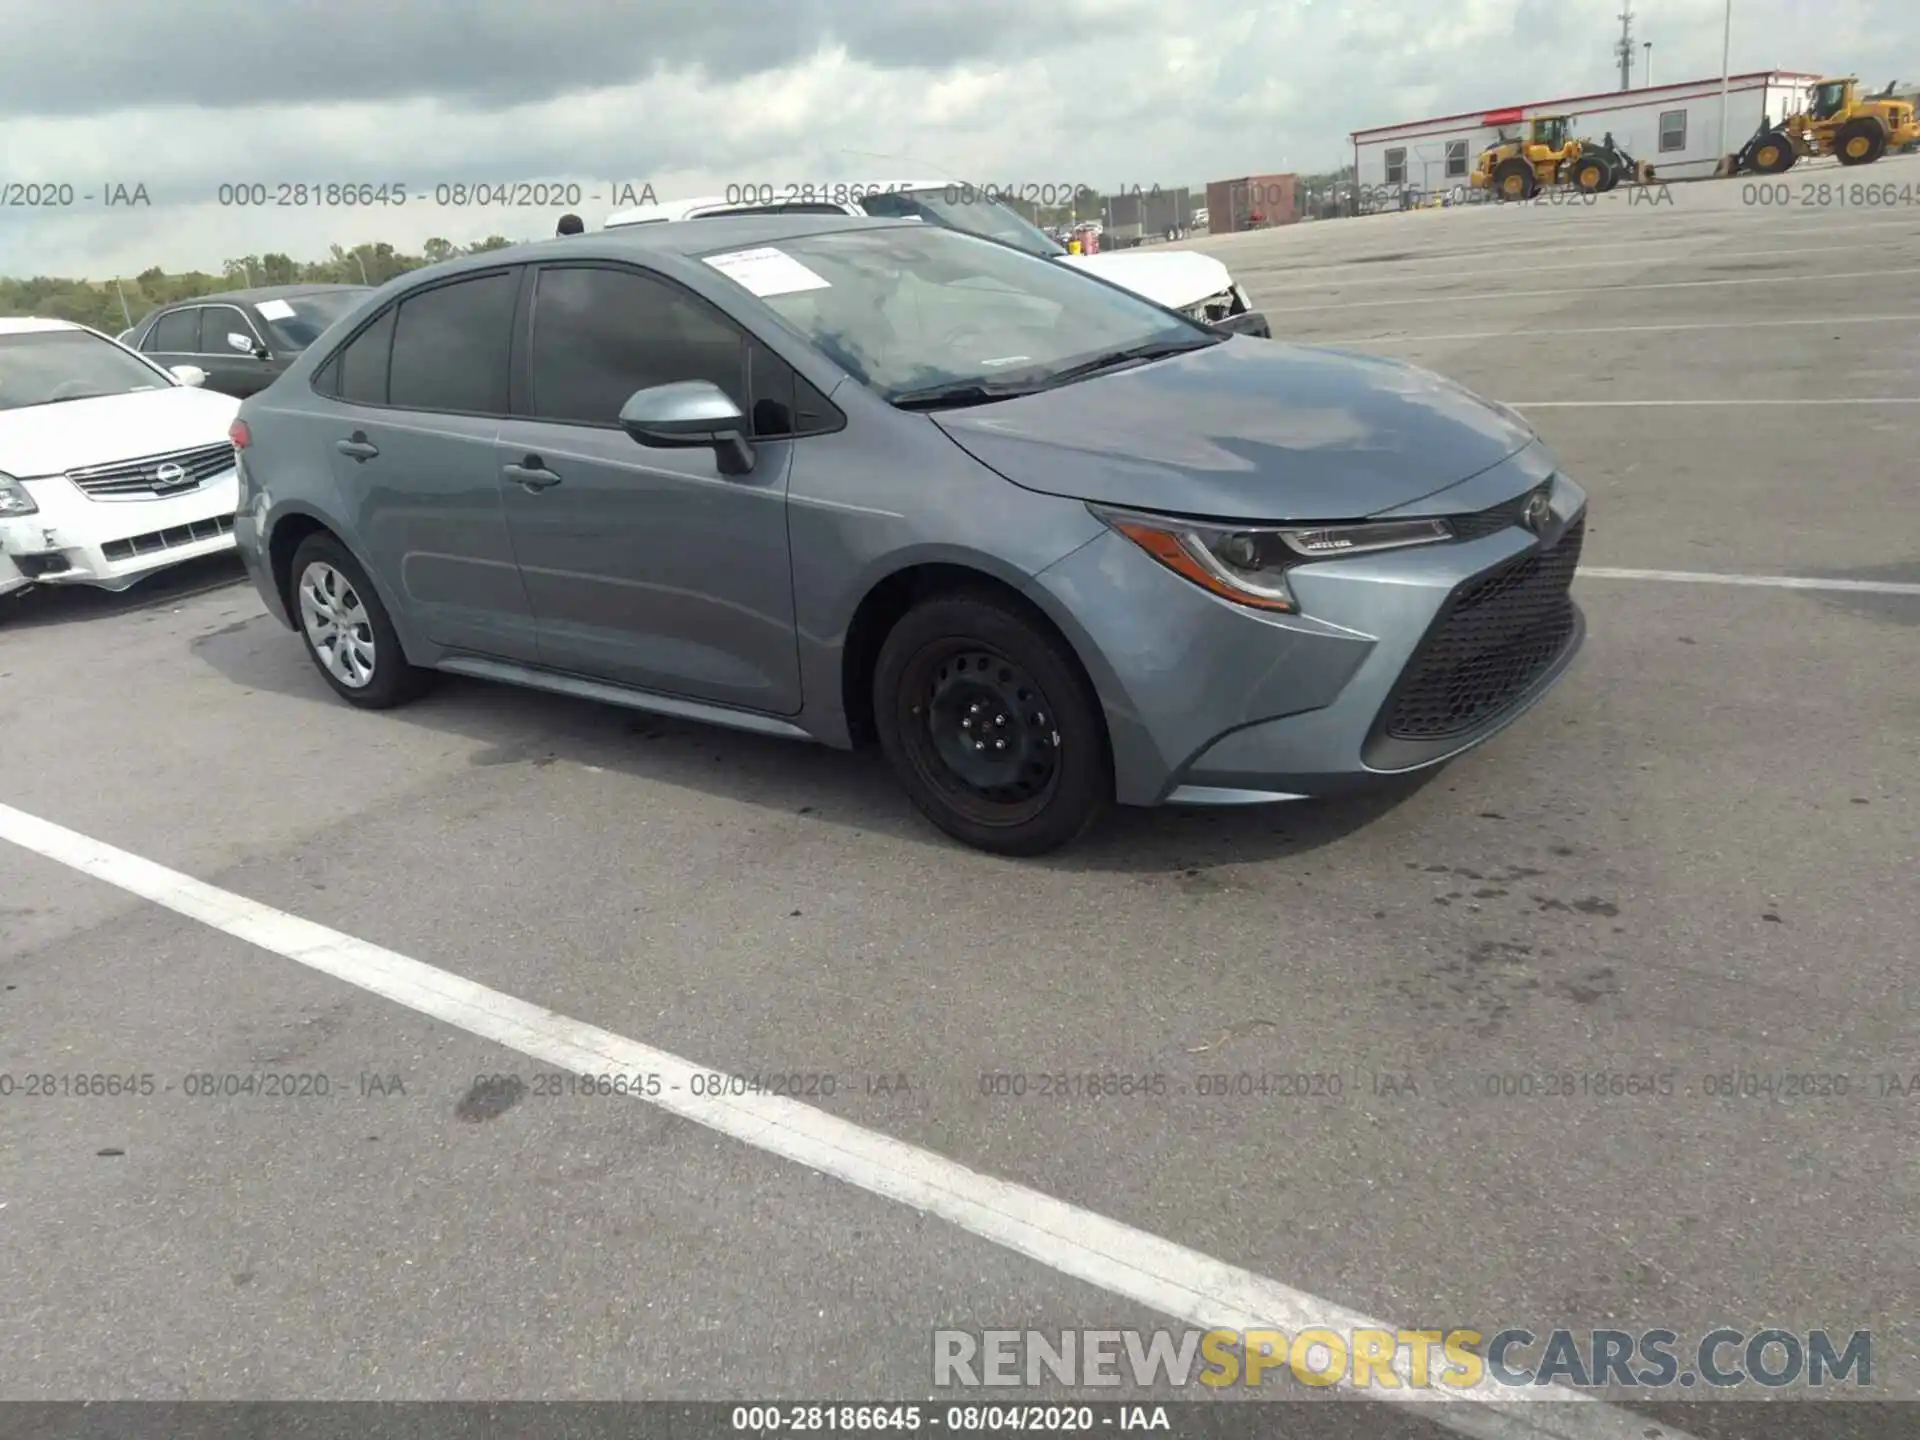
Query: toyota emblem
pixel 1539 512
pixel 170 477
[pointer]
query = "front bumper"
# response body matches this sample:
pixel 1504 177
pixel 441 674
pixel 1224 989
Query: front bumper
pixel 1210 702
pixel 113 544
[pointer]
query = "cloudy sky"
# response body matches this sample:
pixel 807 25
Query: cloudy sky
pixel 692 96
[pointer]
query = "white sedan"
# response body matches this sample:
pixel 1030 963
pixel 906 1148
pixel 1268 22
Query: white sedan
pixel 111 468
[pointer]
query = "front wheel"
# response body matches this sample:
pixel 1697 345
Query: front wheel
pixel 1774 155
pixel 348 635
pixel 991 726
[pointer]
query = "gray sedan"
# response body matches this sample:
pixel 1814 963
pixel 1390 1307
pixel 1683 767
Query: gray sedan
pixel 1047 545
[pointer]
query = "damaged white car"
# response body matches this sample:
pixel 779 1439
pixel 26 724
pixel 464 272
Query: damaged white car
pixel 111 468
pixel 1197 285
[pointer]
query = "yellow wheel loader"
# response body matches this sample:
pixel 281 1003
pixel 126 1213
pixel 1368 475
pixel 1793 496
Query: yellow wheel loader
pixel 1836 121
pixel 1519 169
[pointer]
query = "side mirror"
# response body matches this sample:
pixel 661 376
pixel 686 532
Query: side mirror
pixel 242 344
pixel 189 374
pixel 690 414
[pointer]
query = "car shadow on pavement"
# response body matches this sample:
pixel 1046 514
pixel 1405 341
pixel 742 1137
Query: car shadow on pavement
pixel 39 606
pixel 515 726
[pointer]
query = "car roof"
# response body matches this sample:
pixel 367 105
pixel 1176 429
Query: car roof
pixel 810 194
pixel 30 324
pixel 266 292
pixel 627 242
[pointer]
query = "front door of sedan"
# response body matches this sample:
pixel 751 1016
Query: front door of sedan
pixel 647 567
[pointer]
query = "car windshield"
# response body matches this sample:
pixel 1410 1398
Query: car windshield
pixel 967 209
pixel 43 367
pixel 299 320
pixel 913 309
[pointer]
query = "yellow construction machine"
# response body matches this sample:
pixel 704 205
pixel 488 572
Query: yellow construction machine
pixel 1520 168
pixel 1836 121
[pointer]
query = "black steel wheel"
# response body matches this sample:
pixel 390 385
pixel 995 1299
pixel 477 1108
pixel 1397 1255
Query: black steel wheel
pixel 990 726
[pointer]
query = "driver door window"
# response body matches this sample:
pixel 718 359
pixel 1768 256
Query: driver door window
pixel 601 333
pixel 217 323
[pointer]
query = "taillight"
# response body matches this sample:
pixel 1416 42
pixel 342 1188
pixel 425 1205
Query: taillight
pixel 239 435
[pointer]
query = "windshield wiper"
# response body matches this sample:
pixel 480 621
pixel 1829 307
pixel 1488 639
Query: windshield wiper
pixel 953 396
pixel 63 399
pixel 1152 350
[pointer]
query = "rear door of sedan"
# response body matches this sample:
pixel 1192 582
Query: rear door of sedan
pixel 418 395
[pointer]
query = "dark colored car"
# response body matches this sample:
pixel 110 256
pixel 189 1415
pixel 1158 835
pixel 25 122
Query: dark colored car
pixel 848 479
pixel 243 339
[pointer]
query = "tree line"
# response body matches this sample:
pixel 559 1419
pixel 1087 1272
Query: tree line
pixel 113 305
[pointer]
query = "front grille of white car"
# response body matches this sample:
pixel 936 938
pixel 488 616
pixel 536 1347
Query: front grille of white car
pixel 141 479
pixel 168 539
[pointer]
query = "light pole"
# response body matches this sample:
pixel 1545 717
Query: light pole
pixel 1647 71
pixel 1726 52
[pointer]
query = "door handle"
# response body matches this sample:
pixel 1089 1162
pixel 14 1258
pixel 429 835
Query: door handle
pixel 531 474
pixel 357 446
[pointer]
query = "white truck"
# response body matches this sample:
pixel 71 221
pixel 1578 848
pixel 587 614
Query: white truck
pixel 1196 285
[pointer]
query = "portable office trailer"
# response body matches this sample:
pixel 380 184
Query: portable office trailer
pixel 1674 128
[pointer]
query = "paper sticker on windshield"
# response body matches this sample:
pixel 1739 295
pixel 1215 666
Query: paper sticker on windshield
pixel 767 271
pixel 275 309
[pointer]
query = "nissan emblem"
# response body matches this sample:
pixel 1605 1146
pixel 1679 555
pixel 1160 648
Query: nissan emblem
pixel 169 476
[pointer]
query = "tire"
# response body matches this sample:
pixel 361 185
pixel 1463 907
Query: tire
pixel 1859 142
pixel 1513 179
pixel 1593 174
pixel 1773 154
pixel 944 674
pixel 372 673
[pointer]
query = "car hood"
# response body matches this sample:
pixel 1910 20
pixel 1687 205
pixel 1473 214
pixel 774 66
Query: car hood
pixel 1246 430
pixel 52 439
pixel 1173 278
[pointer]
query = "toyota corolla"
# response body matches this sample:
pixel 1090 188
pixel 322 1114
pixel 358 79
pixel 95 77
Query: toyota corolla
pixel 1046 544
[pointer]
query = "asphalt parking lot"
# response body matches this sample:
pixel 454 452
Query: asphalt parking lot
pixel 1686 863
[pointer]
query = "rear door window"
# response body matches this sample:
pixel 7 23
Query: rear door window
pixel 451 345
pixel 175 333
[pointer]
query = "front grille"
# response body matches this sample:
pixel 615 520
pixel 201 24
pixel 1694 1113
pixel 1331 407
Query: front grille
pixel 1495 518
pixel 1499 634
pixel 140 479
pixel 171 538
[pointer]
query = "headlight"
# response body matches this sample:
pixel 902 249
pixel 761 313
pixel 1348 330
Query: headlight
pixel 1248 564
pixel 14 499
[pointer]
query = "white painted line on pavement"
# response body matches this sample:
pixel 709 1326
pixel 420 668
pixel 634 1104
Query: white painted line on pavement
pixel 1638 241
pixel 1618 329
pixel 1474 295
pixel 1419 278
pixel 1182 1283
pixel 1769 404
pixel 1773 582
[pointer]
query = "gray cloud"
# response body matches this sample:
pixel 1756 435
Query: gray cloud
pixel 187 95
pixel 64 59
